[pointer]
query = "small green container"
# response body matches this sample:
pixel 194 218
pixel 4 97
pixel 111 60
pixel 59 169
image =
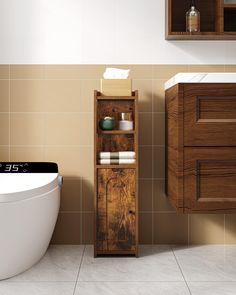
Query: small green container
pixel 108 123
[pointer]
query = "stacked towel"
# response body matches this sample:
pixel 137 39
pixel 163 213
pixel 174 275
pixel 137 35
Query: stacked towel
pixel 107 158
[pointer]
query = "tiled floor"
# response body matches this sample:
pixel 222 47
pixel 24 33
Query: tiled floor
pixel 160 270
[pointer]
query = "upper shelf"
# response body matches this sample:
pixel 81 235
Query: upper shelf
pixel 218 20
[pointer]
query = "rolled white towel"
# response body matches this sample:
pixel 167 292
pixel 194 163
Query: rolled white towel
pixel 117 155
pixel 116 161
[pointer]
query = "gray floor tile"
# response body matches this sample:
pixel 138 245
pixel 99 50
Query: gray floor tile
pixel 23 288
pixel 212 288
pixel 60 263
pixel 207 263
pixel 135 288
pixel 156 263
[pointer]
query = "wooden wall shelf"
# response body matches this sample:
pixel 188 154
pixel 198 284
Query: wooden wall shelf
pixel 218 20
pixel 116 186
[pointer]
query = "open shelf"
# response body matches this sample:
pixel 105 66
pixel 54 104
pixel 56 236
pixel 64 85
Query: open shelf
pixel 116 132
pixel 100 96
pixel 122 166
pixel 217 20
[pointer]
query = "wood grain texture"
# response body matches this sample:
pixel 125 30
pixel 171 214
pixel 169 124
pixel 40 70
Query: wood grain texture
pixel 201 147
pixel 116 209
pixel 210 178
pixel 116 186
pixel 174 146
pixel 217 22
pixel 210 114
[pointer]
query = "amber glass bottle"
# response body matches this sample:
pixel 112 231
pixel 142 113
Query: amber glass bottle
pixel 193 19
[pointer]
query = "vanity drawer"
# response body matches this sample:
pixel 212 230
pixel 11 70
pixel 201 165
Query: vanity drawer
pixel 210 179
pixel 210 114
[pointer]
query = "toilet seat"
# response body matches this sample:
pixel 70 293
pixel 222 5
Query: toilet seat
pixel 19 187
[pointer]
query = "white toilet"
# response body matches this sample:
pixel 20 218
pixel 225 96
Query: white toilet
pixel 29 206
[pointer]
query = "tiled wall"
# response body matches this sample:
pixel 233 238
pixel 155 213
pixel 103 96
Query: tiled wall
pixel 46 114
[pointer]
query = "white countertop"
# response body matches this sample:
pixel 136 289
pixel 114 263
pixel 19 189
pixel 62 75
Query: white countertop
pixel 201 78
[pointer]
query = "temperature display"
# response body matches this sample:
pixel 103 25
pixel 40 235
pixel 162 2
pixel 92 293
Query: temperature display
pixel 30 167
pixel 15 168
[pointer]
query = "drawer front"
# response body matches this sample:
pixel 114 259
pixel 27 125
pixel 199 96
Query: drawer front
pixel 116 210
pixel 210 115
pixel 210 179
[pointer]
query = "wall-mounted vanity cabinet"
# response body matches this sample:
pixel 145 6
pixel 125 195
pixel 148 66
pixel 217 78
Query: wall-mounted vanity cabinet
pixel 201 146
pixel 217 20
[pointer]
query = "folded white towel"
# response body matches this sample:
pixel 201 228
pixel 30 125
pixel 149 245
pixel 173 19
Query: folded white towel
pixel 116 161
pixel 117 155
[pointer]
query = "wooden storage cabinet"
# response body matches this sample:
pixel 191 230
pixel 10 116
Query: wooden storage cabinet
pixel 116 210
pixel 116 185
pixel 217 20
pixel 201 147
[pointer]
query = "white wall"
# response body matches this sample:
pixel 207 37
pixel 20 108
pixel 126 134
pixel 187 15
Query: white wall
pixel 98 32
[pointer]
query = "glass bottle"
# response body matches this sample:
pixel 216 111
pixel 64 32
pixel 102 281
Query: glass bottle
pixel 193 19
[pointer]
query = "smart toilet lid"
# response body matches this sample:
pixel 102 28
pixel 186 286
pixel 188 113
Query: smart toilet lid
pixel 19 181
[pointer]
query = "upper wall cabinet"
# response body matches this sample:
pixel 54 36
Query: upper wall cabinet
pixel 217 20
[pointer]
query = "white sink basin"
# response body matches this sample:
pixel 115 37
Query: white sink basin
pixel 201 78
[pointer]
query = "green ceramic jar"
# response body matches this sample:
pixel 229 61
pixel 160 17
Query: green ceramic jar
pixel 108 123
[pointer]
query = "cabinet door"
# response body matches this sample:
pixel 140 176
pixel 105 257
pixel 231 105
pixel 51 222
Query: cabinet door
pixel 210 115
pixel 210 179
pixel 116 216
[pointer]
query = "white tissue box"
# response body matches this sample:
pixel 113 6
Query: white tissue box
pixel 116 87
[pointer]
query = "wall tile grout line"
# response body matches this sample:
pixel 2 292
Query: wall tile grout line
pixel 152 190
pixel 9 113
pixel 80 265
pixel 181 270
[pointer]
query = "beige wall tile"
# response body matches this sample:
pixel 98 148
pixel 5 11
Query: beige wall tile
pixel 67 158
pixel 159 129
pixel 74 71
pixel 230 228
pixel 68 229
pixel 4 129
pixel 145 228
pixel 145 94
pixel 206 68
pixel 87 163
pixel 68 129
pixel 167 71
pixel 4 71
pixel 230 68
pixel 160 200
pixel 159 95
pixel 206 229
pixel 137 71
pixel 4 95
pixel 145 128
pixel 159 162
pixel 62 96
pixel 88 228
pixel 71 194
pixel 87 195
pixel 27 95
pixel 170 228
pixel 26 129
pixel 145 162
pixel 4 153
pixel 145 195
pixel 87 95
pixel 27 72
pixel 27 154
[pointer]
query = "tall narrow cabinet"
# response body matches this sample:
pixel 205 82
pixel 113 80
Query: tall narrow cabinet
pixel 116 185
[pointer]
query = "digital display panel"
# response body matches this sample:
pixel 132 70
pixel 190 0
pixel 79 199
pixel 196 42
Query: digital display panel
pixel 28 167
